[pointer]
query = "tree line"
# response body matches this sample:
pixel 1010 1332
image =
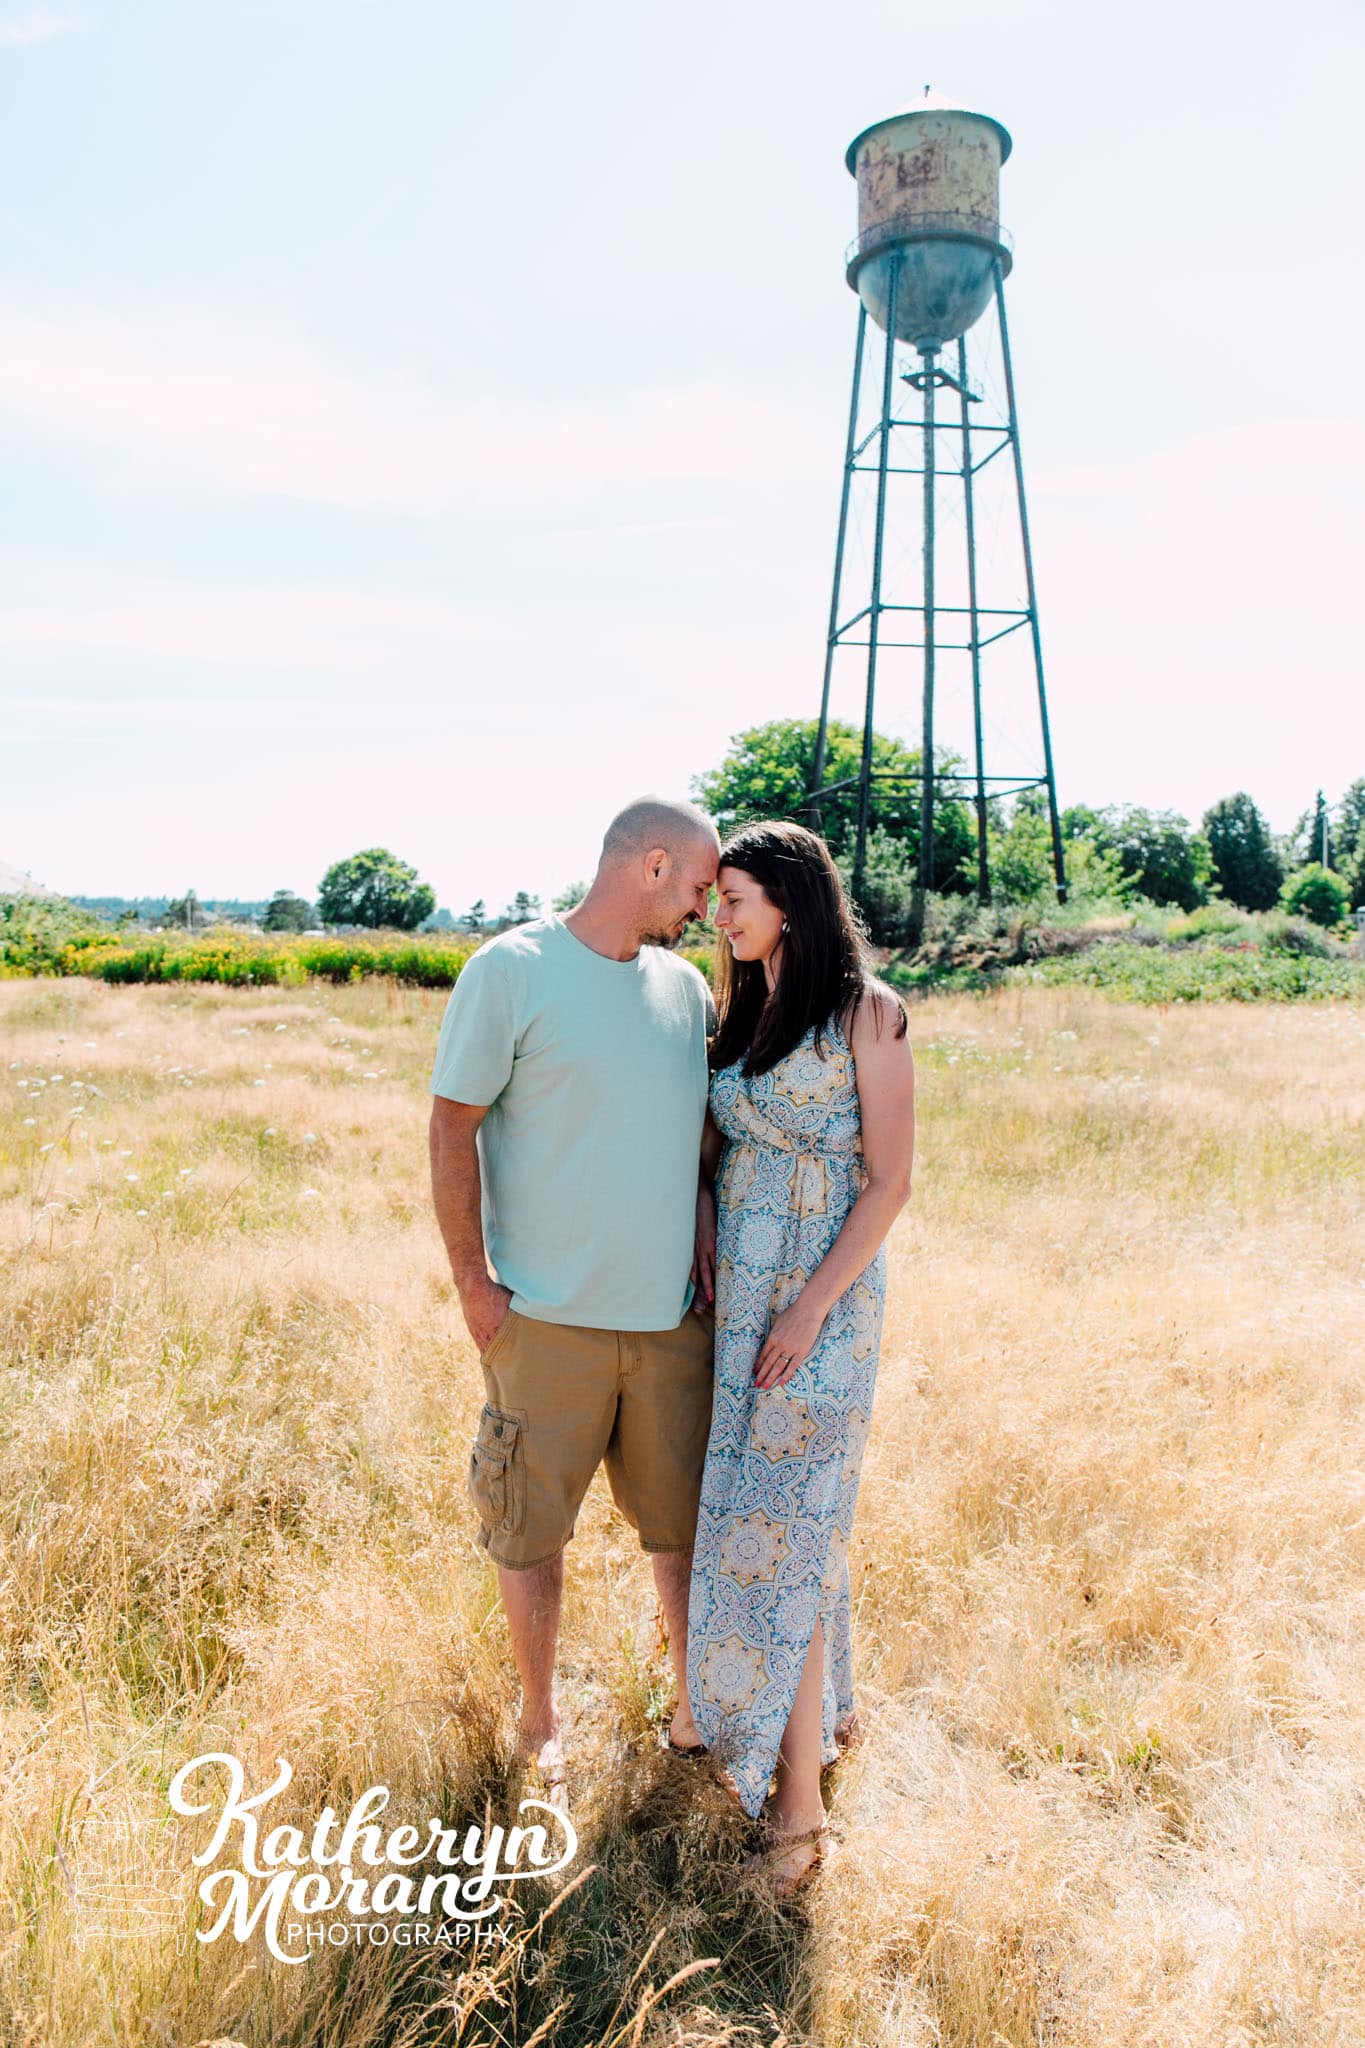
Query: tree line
pixel 1121 853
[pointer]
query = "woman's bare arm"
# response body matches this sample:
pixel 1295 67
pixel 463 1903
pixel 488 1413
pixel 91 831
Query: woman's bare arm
pixel 885 1070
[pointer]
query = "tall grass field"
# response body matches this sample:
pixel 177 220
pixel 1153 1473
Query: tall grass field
pixel 1108 1565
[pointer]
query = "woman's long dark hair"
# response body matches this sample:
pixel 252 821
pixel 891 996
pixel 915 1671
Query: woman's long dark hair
pixel 823 972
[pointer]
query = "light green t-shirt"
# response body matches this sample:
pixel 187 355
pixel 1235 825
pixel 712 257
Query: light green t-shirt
pixel 594 1073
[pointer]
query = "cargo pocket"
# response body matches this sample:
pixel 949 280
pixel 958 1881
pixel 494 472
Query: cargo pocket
pixel 497 1475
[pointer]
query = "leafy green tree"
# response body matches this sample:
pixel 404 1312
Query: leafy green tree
pixel 568 897
pixel 1167 862
pixel 1020 855
pixel 886 896
pixel 768 774
pixel 1317 894
pixel 1246 866
pixel 376 889
pixel 1350 835
pixel 475 918
pixel 287 912
pixel 1077 821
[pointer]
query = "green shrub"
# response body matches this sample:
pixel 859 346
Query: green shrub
pixel 1284 934
pixel 1316 892
pixel 1146 974
pixel 1212 920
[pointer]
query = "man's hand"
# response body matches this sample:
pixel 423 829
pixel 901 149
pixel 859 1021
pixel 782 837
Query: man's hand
pixel 485 1303
pixel 703 1274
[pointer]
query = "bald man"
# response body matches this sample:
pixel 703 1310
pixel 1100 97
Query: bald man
pixel 569 1093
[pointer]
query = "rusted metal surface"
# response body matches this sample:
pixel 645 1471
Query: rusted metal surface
pixel 929 187
pixel 931 162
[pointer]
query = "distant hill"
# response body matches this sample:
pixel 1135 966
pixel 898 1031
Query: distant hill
pixel 14 882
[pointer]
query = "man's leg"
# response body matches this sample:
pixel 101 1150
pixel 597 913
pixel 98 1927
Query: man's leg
pixel 655 1461
pixel 672 1576
pixel 532 1599
pixel 534 1458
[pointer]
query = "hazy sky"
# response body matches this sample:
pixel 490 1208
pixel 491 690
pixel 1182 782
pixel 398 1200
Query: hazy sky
pixel 421 424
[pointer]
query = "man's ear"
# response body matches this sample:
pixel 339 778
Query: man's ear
pixel 656 863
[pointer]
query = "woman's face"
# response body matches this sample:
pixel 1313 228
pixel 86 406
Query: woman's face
pixel 751 923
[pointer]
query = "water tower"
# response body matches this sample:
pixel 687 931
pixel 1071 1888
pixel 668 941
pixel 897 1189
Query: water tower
pixel 930 258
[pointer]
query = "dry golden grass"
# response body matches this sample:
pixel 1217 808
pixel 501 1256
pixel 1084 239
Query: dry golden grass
pixel 1107 1565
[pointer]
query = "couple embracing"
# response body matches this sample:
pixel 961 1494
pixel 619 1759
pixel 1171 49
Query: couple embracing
pixel 666 1219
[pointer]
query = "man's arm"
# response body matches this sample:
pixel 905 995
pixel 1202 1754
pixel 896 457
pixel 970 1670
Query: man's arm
pixel 456 1192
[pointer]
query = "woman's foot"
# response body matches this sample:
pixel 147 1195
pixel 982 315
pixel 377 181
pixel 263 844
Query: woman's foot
pixel 789 1856
pixel 682 1733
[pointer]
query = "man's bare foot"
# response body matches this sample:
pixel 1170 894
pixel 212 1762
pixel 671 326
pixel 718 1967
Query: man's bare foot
pixel 540 1747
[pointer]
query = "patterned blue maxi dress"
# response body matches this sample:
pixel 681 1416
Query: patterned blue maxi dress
pixel 781 1474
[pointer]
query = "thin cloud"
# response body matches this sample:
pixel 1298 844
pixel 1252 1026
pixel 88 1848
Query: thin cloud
pixel 245 624
pixel 175 394
pixel 38 27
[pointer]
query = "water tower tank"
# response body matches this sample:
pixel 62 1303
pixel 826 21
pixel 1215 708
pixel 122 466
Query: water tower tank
pixel 929 187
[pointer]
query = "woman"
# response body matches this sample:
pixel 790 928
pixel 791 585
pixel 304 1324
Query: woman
pixel 811 1124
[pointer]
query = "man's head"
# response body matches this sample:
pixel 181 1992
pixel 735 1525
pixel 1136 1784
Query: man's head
pixel 658 862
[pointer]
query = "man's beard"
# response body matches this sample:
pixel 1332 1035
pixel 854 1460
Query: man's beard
pixel 668 939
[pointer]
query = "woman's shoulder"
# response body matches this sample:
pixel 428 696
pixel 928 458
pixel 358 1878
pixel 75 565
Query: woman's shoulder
pixel 877 1009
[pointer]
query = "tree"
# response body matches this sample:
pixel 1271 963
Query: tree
pixel 475 917
pixel 286 912
pixel 188 911
pixel 1020 854
pixel 1246 866
pixel 888 887
pixel 1166 861
pixel 568 897
pixel 768 774
pixel 376 889
pixel 522 908
pixel 1317 894
pixel 1350 831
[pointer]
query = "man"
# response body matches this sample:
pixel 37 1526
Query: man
pixel 569 1092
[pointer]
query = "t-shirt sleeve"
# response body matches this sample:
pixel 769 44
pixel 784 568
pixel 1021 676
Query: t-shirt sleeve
pixel 478 1040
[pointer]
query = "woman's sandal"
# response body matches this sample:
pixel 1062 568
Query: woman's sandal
pixel 777 1844
pixel 681 1748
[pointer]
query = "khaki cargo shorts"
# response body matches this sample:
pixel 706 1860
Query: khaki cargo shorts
pixel 559 1399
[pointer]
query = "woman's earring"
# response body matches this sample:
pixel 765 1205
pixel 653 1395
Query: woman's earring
pixel 785 926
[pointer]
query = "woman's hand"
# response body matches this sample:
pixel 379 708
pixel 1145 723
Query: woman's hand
pixel 790 1340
